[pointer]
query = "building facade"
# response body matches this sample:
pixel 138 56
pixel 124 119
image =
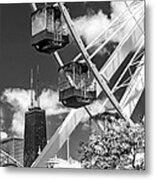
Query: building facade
pixel 35 137
pixel 13 146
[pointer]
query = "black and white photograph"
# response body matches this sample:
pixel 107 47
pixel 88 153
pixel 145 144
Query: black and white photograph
pixel 72 85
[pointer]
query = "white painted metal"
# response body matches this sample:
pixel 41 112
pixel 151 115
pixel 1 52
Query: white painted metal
pixel 119 54
pixel 130 63
pixel 34 6
pixel 101 81
pixel 115 32
pixel 134 91
pixel 127 44
pixel 115 22
pixel 7 160
pixel 64 131
pixel 128 7
pixel 106 101
pixel 60 137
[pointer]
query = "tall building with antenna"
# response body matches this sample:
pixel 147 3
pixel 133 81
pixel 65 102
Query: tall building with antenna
pixel 35 137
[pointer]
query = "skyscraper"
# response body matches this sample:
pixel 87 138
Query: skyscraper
pixel 35 137
pixel 35 134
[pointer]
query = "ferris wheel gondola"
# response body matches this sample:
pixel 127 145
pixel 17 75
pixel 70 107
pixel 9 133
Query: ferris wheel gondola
pixel 83 90
pixel 48 29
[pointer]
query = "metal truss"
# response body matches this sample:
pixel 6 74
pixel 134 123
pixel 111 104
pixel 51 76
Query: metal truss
pixel 86 56
pixel 129 9
pixel 130 79
pixel 134 90
pixel 133 63
pixel 7 160
pixel 75 116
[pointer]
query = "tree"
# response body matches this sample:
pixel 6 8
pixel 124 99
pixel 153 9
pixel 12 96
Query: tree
pixel 116 148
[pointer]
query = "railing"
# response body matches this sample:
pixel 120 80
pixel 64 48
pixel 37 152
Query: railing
pixel 7 160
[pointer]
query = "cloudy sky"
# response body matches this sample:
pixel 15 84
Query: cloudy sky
pixel 17 57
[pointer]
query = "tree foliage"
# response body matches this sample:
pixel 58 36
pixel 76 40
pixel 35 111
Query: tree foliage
pixel 119 146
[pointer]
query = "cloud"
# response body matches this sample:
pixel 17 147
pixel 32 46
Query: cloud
pixel 91 25
pixel 49 100
pixel 19 99
pixel 3 135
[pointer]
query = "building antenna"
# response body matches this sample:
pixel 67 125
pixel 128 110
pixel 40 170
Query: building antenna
pixel 31 87
pixel 38 87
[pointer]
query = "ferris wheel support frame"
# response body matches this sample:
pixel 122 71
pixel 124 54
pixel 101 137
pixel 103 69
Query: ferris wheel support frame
pixel 57 140
pixel 86 56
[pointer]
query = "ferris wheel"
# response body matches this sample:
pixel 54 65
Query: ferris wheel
pixel 80 82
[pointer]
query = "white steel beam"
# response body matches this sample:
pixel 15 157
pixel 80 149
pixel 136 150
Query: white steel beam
pixel 119 55
pixel 131 83
pixel 128 66
pixel 34 6
pixel 59 138
pixel 120 52
pixel 69 124
pixel 101 81
pixel 130 11
pixel 114 34
pixel 134 91
pixel 113 23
